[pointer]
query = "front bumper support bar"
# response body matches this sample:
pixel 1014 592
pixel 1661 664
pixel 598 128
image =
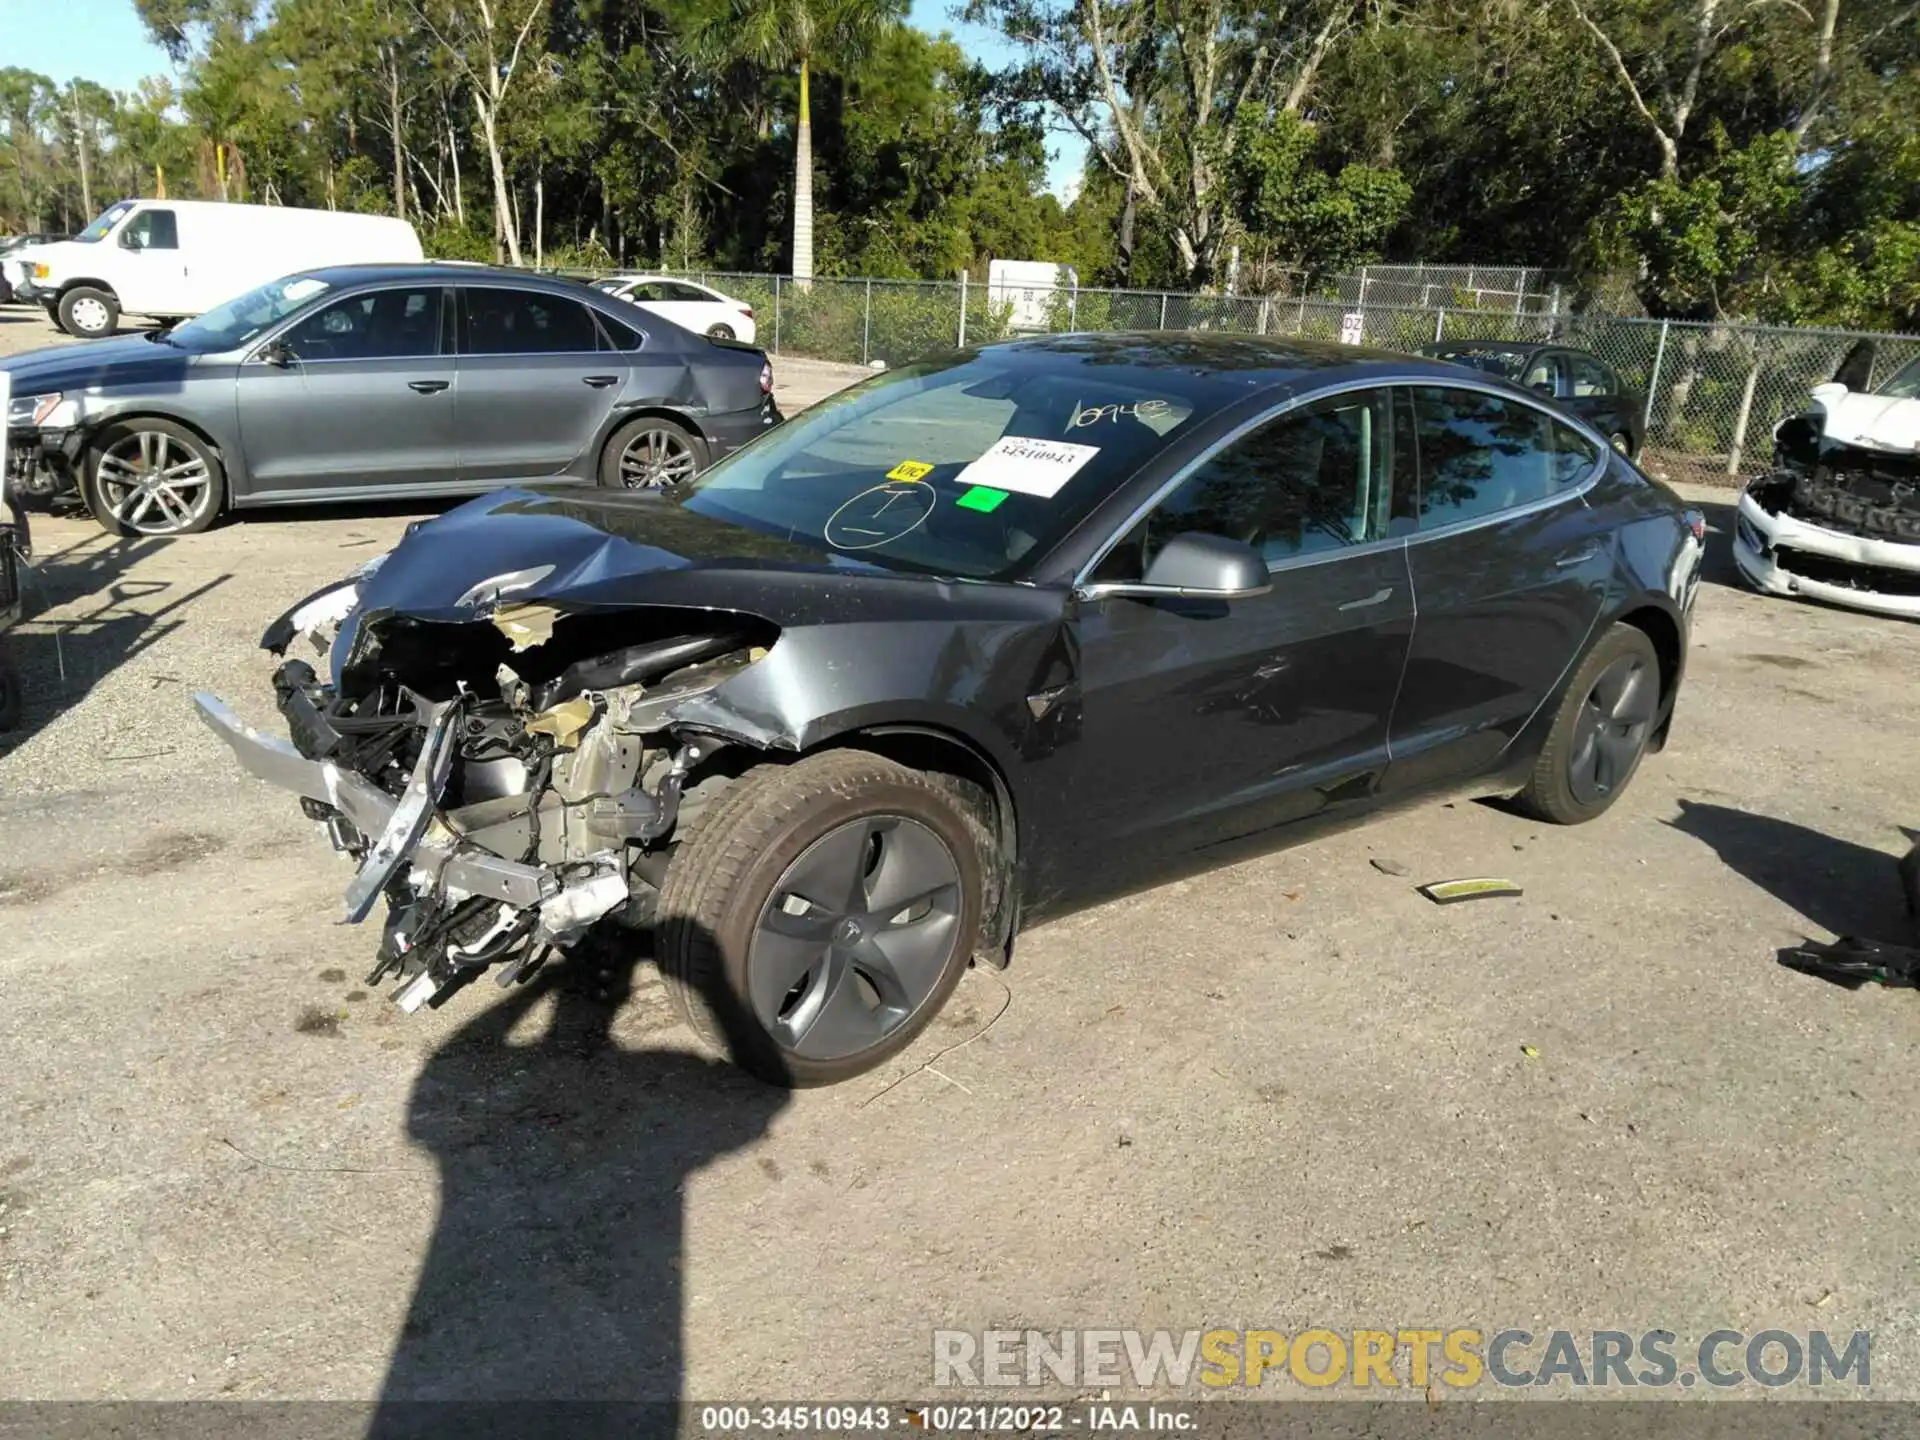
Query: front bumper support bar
pixel 398 830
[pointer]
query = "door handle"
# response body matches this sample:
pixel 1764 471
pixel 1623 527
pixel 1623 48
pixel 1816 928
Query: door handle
pixel 1579 557
pixel 600 382
pixel 1379 597
pixel 427 387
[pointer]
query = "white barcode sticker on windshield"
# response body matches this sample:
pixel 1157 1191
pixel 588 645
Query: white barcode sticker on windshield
pixel 1027 467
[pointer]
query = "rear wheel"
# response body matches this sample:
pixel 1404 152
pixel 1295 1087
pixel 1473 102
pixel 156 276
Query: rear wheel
pixel 818 917
pixel 88 312
pixel 1601 730
pixel 1622 442
pixel 720 332
pixel 651 454
pixel 153 477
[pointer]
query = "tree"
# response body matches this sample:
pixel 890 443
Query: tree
pixel 795 35
pixel 1155 87
pixel 488 41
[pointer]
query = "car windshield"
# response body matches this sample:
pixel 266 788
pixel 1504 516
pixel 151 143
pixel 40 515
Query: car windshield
pixel 109 217
pixel 1504 363
pixel 1905 383
pixel 971 467
pixel 228 326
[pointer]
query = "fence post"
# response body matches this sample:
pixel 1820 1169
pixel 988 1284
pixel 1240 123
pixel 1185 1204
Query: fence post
pixel 776 314
pixel 1363 289
pixel 1264 302
pixel 963 309
pixel 1073 306
pixel 1740 420
pixel 866 329
pixel 1163 309
pixel 1653 383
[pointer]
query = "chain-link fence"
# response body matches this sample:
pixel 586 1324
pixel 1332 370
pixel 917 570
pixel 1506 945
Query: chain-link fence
pixel 1708 395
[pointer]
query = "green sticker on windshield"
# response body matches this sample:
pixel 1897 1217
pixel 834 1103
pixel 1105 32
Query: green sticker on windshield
pixel 981 497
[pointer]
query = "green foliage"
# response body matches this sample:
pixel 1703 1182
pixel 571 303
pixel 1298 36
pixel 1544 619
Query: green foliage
pixel 1310 219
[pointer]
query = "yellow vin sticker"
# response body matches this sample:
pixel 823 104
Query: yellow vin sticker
pixel 910 470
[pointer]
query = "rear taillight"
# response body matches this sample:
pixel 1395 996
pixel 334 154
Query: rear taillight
pixel 747 310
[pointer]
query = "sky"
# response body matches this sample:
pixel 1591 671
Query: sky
pixel 118 54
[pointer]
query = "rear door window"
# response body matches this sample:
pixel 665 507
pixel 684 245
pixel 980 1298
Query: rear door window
pixel 1482 454
pixel 525 322
pixel 1591 380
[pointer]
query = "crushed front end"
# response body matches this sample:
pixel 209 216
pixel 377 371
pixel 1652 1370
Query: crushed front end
pixel 506 782
pixel 1835 521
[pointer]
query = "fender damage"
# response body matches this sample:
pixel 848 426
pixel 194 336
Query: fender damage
pixel 527 703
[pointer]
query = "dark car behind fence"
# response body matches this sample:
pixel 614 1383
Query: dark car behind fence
pixel 1713 392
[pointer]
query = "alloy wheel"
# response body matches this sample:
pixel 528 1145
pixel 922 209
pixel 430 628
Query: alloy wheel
pixel 855 936
pixel 1612 728
pixel 154 483
pixel 655 459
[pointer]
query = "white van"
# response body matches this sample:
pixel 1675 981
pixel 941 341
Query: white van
pixel 170 259
pixel 1029 288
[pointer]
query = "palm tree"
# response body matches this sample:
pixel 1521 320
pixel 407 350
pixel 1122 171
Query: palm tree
pixel 783 33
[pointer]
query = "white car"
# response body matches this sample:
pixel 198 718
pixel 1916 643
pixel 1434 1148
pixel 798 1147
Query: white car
pixel 690 306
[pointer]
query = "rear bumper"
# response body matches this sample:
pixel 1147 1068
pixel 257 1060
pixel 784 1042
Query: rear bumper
pixel 728 432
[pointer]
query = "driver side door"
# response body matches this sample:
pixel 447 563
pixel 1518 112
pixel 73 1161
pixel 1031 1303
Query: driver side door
pixel 360 403
pixel 1206 723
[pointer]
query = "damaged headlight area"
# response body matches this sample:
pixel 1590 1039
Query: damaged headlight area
pixel 1845 530
pixel 505 783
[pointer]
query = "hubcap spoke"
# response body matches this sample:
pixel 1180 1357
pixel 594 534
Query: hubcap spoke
pixel 905 961
pixel 913 864
pixel 841 1021
pixel 1612 729
pixel 780 962
pixel 832 871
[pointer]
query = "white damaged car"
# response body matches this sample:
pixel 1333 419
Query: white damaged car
pixel 1838 517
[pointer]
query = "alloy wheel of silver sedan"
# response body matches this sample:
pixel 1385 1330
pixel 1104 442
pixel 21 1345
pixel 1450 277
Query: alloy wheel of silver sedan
pixel 656 458
pixel 153 482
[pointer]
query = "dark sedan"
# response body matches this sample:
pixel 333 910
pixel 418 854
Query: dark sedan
pixel 381 381
pixel 1582 382
pixel 976 642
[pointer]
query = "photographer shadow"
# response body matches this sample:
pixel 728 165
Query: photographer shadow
pixel 554 1273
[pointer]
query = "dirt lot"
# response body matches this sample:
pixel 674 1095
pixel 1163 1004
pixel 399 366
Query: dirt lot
pixel 1289 1094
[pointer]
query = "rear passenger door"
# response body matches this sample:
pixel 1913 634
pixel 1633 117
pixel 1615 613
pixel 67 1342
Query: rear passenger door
pixel 1509 568
pixel 537 382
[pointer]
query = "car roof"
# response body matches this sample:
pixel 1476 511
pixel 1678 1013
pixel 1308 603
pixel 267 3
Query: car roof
pixel 464 272
pixel 1225 366
pixel 1491 347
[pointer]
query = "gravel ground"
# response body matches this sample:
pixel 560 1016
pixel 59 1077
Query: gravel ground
pixel 1291 1093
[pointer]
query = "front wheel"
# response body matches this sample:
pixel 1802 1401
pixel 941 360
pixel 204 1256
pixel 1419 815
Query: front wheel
pixel 819 916
pixel 152 477
pixel 651 454
pixel 1600 732
pixel 88 312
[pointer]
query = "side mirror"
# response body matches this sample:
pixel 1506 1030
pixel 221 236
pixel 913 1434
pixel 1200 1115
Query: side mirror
pixel 1545 387
pixel 1195 567
pixel 280 355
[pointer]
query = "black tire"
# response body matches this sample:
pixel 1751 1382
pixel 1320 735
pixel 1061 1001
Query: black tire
pixel 720 332
pixel 119 450
pixel 1597 741
pixel 681 455
pixel 88 312
pixel 722 885
pixel 1623 442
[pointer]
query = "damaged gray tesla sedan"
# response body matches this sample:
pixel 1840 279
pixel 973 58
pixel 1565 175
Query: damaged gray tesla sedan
pixel 983 639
